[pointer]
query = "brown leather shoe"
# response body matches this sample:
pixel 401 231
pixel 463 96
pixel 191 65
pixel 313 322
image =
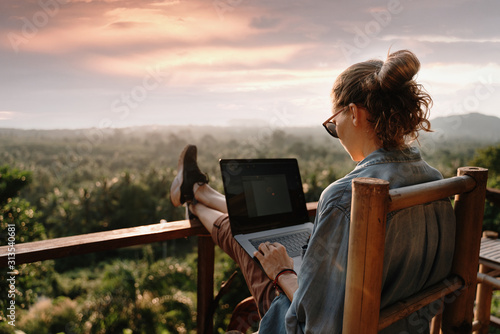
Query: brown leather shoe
pixel 188 173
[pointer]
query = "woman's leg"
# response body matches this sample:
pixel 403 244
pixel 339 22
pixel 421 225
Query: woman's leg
pixel 258 283
pixel 210 208
pixel 210 205
pixel 210 197
pixel 206 215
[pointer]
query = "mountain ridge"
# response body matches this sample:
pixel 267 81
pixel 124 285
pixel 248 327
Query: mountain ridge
pixel 473 126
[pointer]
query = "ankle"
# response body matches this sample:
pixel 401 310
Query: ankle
pixel 197 187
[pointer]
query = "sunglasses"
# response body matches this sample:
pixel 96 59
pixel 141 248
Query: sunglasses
pixel 330 127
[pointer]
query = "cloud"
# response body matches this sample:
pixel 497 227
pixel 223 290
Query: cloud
pixel 445 39
pixel 124 25
pixel 105 25
pixel 211 61
pixel 75 57
pixel 4 115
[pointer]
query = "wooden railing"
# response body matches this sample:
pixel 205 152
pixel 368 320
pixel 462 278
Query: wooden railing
pixel 140 235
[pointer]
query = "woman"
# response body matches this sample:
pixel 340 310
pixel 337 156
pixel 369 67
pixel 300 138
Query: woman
pixel 378 109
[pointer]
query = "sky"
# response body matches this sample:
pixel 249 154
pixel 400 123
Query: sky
pixel 118 63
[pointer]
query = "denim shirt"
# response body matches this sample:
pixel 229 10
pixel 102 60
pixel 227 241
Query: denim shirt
pixel 418 251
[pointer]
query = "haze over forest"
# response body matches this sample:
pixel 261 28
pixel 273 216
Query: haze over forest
pixel 473 126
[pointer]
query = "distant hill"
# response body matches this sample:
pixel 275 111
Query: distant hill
pixel 473 126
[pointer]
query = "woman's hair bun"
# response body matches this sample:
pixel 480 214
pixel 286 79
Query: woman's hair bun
pixel 398 106
pixel 399 68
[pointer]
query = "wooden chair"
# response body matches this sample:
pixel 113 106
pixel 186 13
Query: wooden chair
pixel 372 200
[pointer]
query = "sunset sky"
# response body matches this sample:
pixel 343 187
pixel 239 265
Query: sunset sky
pixel 114 63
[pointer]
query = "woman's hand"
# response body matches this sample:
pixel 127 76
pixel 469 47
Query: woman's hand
pixel 273 258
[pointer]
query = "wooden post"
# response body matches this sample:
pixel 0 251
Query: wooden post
pixel 436 323
pixel 484 292
pixel 366 255
pixel 469 212
pixel 205 293
pixel 483 303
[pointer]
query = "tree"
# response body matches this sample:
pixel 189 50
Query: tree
pixel 489 157
pixel 15 211
pixel 12 180
pixel 18 217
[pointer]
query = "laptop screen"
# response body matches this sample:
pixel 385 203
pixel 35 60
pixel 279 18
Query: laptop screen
pixel 263 194
pixel 266 195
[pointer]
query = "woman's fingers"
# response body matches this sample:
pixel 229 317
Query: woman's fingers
pixel 258 255
pixel 268 246
pixel 278 245
pixel 264 247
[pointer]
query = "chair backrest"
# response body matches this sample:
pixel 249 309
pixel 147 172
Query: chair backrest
pixel 371 201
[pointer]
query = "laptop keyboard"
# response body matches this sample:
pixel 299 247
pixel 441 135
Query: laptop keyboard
pixel 292 241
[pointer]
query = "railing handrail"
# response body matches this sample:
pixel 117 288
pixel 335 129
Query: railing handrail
pixel 107 240
pixel 100 241
pixel 400 198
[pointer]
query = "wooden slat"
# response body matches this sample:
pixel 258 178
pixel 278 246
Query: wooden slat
pixel 490 250
pixel 490 264
pixel 494 321
pixel 405 307
pixel 101 241
pixel 401 198
pixel 494 273
pixel 488 244
pixel 493 255
pixel 311 208
pixel 485 278
pixel 489 253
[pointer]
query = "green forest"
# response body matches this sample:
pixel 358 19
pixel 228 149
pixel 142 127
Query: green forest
pixel 59 183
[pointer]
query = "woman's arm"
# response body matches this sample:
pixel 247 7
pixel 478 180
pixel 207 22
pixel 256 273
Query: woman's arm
pixel 274 259
pixel 289 284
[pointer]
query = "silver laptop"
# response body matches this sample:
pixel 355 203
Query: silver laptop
pixel 266 202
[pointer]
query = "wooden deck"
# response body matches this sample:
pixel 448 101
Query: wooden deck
pixel 490 253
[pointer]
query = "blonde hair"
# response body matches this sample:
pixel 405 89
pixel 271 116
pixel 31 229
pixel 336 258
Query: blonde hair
pixel 398 106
